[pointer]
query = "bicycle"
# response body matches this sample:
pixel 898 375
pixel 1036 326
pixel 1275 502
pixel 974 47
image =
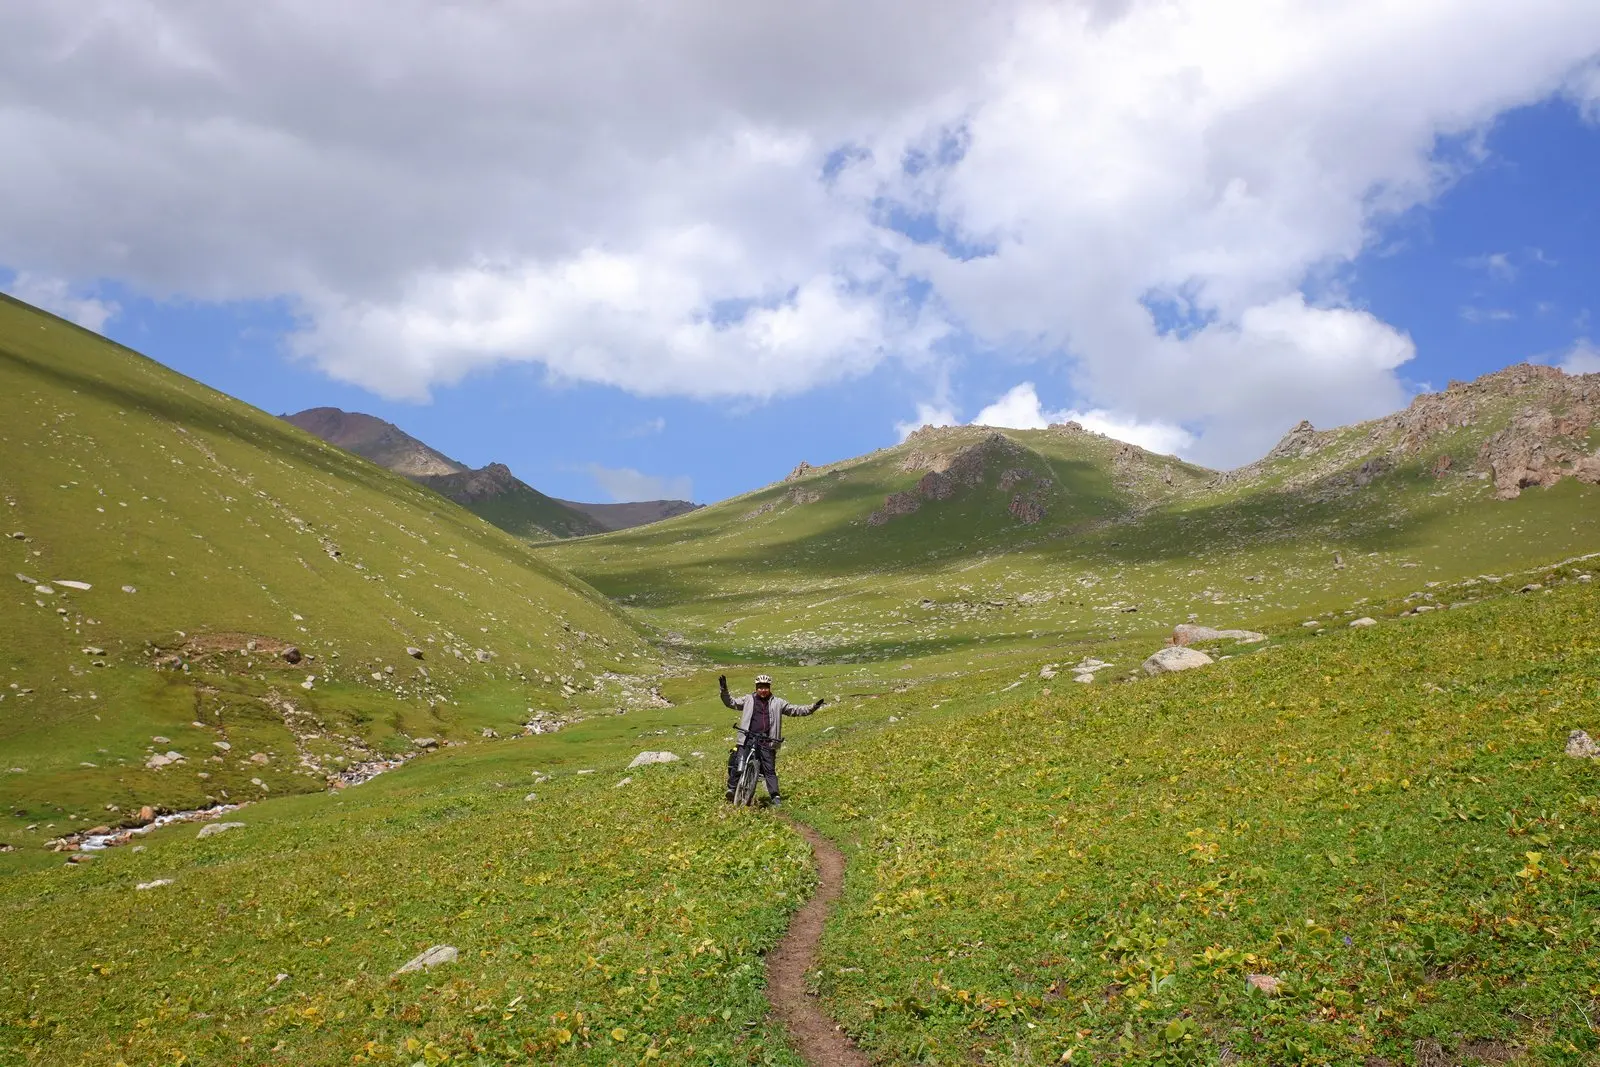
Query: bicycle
pixel 747 771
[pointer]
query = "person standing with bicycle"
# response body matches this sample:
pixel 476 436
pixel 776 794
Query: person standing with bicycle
pixel 760 730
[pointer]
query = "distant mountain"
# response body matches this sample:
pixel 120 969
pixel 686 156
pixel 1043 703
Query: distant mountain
pixel 492 492
pixel 637 513
pixel 382 442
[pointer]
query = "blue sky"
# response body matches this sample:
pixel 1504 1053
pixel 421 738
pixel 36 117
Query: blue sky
pixel 782 270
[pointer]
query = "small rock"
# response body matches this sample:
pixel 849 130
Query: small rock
pixel 1531 587
pixel 1086 677
pixel 1364 621
pixel 531 796
pixel 18 535
pixel 438 954
pixel 644 759
pixel 426 742
pixel 159 740
pixel 1309 623
pixel 223 745
pixel 1048 671
pixel 130 589
pixel 212 829
pixel 157 884
pixel 96 831
pixel 1264 982
pixel 260 758
pixel 292 654
pixel 310 682
pixel 83 587
pixel 1175 658
pixel 1581 746
pixel 146 815
pixel 624 782
pixel 413 652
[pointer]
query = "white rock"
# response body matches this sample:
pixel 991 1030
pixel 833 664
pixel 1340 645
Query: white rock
pixel 586 770
pixel 214 828
pixel 1048 671
pixel 1364 621
pixel 435 956
pixel 223 745
pixel 1311 622
pixel 66 584
pixel 44 590
pixel 1176 658
pixel 130 589
pixel 1086 676
pixel 531 796
pixel 157 884
pixel 644 759
pixel 624 782
pixel 1581 746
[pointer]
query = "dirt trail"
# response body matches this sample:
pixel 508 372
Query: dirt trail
pixel 813 1033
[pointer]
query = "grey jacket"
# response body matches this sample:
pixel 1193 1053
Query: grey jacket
pixel 777 708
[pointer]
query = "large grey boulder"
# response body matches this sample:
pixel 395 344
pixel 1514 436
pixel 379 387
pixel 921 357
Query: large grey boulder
pixel 1187 633
pixel 214 828
pixel 1175 658
pixel 644 759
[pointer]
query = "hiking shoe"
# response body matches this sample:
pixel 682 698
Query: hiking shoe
pixel 727 795
pixel 775 802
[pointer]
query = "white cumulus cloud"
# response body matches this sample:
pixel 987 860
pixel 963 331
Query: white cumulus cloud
pixel 1582 358
pixel 625 485
pixel 710 200
pixel 56 296
pixel 1020 409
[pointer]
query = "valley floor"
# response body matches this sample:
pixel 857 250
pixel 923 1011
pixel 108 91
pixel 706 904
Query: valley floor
pixel 1356 847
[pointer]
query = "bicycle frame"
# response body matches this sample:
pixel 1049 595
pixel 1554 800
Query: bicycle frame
pixel 748 770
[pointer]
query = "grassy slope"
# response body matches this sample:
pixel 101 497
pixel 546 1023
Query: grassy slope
pixel 1033 872
pixel 224 519
pixel 763 576
pixel 1383 820
pixel 520 510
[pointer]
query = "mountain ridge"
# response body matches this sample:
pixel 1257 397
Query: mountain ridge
pixel 492 491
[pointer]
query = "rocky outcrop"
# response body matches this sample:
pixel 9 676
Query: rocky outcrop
pixel 1550 416
pixel 1540 448
pixel 1581 746
pixel 952 472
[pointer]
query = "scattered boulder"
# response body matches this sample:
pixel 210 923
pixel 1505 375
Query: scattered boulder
pixel 644 759
pixel 626 781
pixel 1187 633
pixel 414 652
pixel 163 759
pixel 426 742
pixel 130 589
pixel 82 587
pixel 157 884
pixel 1048 671
pixel 1365 620
pixel 292 655
pixel 1264 982
pixel 214 828
pixel 146 815
pixel 1176 658
pixel 1581 746
pixel 91 650
pixel 434 957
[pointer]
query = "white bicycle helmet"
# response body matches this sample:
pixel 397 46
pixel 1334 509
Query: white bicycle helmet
pixel 763 679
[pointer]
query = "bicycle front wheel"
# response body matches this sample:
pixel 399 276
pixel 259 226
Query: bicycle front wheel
pixel 744 794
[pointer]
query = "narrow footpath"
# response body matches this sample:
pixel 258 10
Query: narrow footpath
pixel 816 1036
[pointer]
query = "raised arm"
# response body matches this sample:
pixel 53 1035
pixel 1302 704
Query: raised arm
pixel 722 685
pixel 802 709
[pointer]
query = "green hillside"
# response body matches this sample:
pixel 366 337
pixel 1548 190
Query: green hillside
pixel 499 497
pixel 1381 822
pixel 212 537
pixel 1063 534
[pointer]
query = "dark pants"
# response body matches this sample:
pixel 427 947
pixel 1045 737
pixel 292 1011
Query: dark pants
pixel 767 759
